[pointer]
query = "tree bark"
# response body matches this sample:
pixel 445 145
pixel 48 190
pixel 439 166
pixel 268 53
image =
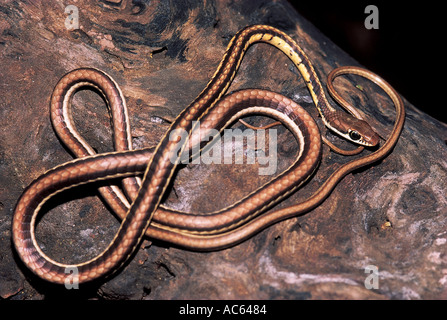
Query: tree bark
pixel 389 218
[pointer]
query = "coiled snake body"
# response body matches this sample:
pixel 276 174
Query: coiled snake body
pixel 142 214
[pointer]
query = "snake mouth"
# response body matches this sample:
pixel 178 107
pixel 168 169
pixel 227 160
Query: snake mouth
pixel 353 129
pixel 371 140
pixel 367 139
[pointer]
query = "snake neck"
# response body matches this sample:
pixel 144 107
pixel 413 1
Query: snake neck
pixel 350 128
pixel 267 34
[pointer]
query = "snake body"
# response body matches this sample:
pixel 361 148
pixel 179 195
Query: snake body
pixel 140 208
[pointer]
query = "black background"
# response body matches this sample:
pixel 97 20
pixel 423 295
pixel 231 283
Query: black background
pixel 408 49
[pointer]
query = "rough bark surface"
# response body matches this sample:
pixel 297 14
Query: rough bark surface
pixel 392 215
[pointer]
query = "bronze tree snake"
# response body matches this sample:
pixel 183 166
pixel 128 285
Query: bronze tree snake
pixel 139 208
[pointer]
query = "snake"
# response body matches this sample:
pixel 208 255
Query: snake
pixel 139 205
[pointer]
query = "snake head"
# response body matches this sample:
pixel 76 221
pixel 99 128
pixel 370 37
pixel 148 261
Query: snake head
pixel 355 130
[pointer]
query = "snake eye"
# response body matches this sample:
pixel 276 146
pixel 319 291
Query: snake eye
pixel 354 135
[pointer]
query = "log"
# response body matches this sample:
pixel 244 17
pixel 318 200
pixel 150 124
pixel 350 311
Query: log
pixel 380 235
